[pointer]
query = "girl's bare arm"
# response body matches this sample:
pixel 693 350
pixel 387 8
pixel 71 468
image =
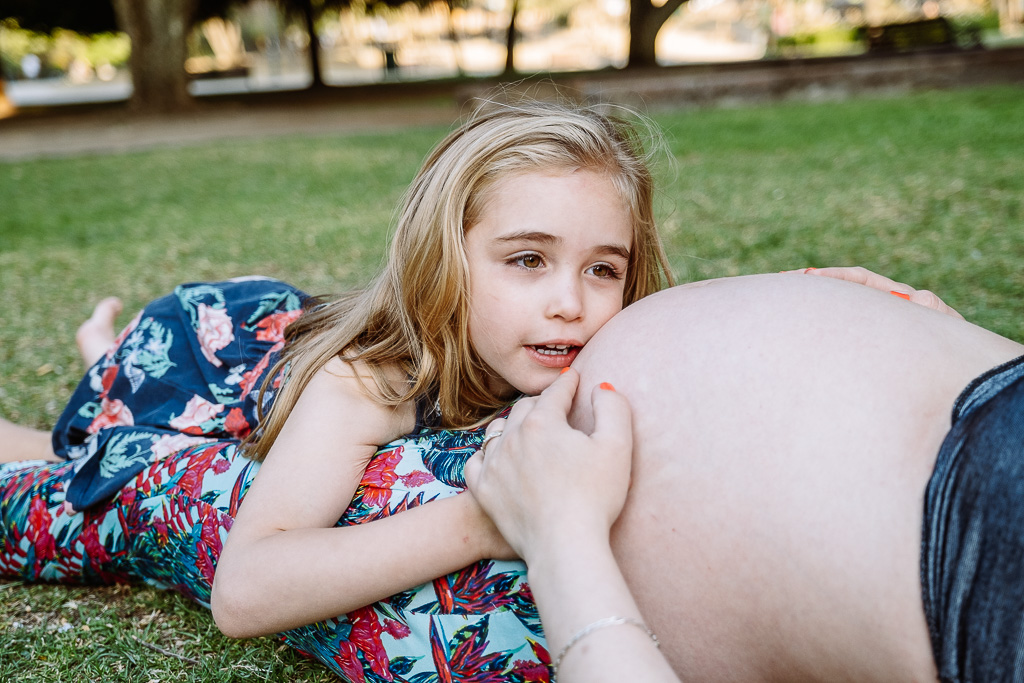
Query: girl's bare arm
pixel 285 564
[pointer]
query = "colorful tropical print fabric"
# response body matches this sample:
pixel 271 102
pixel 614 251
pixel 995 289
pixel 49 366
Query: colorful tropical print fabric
pixel 162 413
pixel 185 371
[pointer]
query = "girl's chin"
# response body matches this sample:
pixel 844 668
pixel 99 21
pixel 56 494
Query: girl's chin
pixel 539 384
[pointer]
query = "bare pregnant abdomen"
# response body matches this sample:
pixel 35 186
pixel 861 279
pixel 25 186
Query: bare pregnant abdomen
pixel 785 428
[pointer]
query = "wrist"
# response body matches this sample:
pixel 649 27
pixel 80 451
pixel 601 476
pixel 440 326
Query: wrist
pixel 567 552
pixel 562 537
pixel 483 537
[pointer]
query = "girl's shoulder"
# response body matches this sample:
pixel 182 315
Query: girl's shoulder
pixel 355 386
pixel 368 376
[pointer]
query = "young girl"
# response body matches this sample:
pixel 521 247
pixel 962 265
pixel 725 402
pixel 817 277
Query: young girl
pixel 524 232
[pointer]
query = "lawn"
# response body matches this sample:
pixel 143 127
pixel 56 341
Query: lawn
pixel 926 188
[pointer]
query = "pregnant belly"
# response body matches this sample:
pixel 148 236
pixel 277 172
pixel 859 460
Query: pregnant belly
pixel 785 428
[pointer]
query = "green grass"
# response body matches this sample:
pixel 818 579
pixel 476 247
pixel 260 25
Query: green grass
pixel 75 634
pixel 927 188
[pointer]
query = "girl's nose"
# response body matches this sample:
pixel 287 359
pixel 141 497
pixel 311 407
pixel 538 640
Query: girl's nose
pixel 566 300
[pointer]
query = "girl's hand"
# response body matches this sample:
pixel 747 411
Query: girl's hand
pixel 486 534
pixel 543 482
pixel 863 276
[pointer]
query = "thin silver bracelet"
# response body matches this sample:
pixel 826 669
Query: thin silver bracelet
pixel 595 626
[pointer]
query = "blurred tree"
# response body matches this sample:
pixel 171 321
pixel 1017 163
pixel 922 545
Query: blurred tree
pixel 453 35
pixel 646 17
pixel 510 40
pixel 311 11
pixel 157 29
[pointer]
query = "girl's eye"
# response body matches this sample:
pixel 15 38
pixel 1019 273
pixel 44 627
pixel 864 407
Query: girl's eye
pixel 603 270
pixel 530 261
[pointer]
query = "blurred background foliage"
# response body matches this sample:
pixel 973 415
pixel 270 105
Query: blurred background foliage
pixel 357 41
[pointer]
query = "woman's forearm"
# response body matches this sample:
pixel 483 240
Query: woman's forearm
pixel 577 584
pixel 555 492
pixel 301 576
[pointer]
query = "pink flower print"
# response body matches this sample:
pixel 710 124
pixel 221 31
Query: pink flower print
pixel 249 378
pixel 347 659
pixel 235 424
pixel 161 530
pixel 169 444
pixel 95 551
pixel 272 327
pixel 396 629
pixel 540 651
pixel 531 672
pixel 416 478
pixel 113 412
pixel 380 477
pixel 197 411
pixel 199 463
pixel 365 635
pixel 215 332
pixel 107 380
pixel 209 547
pixel 38 533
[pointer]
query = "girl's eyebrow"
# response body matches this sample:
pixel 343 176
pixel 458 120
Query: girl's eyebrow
pixel 548 238
pixel 531 236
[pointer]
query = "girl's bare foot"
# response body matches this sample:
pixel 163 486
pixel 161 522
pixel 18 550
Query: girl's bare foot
pixel 96 334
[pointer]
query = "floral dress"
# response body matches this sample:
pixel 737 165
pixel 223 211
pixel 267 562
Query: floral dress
pixel 154 478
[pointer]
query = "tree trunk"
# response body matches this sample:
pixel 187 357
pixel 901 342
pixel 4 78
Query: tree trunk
pixel 309 14
pixel 510 41
pixel 645 21
pixel 158 30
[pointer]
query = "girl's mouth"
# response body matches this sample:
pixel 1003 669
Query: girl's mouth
pixel 554 355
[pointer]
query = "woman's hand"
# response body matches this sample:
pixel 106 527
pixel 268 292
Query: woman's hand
pixel 541 481
pixel 554 492
pixel 863 276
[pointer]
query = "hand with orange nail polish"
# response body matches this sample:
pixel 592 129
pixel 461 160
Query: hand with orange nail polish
pixel 863 276
pixel 543 479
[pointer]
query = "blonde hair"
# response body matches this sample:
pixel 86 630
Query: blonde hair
pixel 414 314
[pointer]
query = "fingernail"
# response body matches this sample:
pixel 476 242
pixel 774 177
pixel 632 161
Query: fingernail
pixel 807 270
pixel 606 386
pixel 563 371
pixel 900 295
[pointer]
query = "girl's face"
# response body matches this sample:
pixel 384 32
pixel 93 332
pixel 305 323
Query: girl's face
pixel 547 265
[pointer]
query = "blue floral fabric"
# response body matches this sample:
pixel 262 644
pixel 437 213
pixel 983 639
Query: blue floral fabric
pixel 163 413
pixel 186 370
